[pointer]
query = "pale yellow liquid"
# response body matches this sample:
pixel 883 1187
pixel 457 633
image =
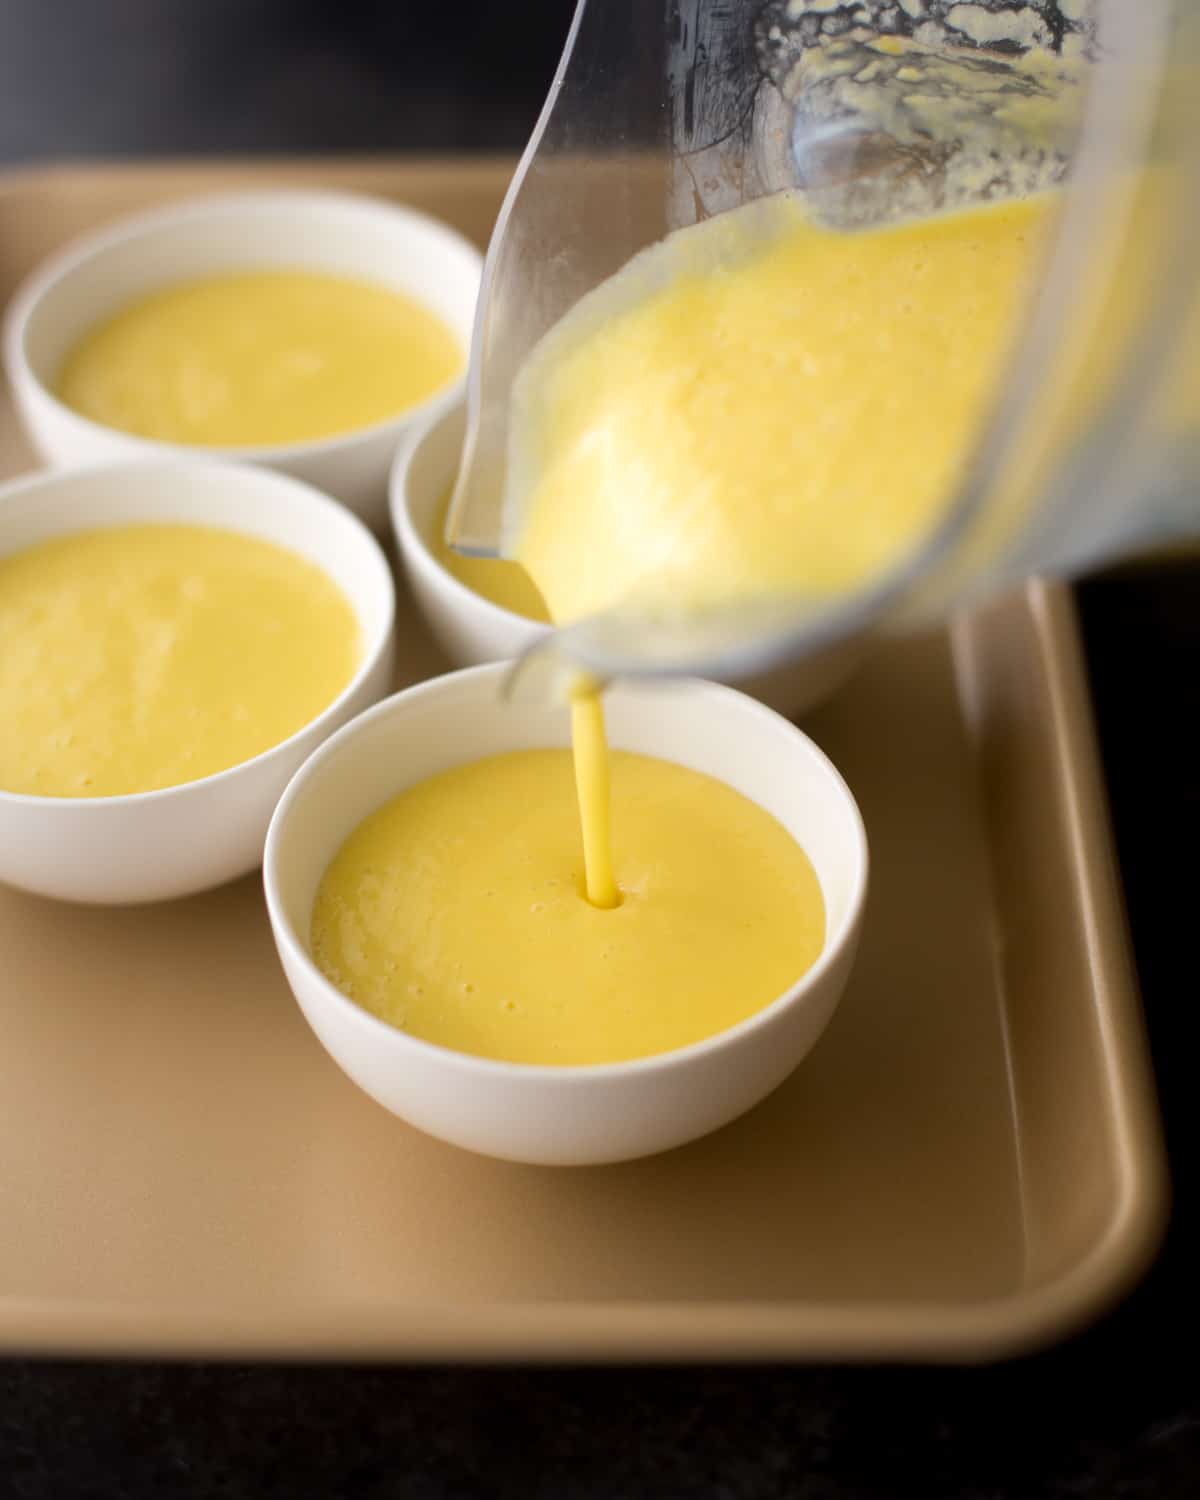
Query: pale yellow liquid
pixel 144 656
pixel 589 745
pixel 760 406
pixel 456 912
pixel 260 358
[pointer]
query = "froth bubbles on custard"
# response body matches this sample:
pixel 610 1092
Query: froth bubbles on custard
pixel 259 358
pixel 139 657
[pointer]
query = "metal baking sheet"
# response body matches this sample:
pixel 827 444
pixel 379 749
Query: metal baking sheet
pixel 969 1163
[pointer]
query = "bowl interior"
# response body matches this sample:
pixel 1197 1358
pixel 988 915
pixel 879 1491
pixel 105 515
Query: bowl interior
pixel 425 473
pixel 375 241
pixel 256 502
pixel 480 628
pixel 463 717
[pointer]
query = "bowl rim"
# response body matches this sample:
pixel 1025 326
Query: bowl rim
pixel 320 504
pixel 497 1069
pixel 408 533
pixel 52 272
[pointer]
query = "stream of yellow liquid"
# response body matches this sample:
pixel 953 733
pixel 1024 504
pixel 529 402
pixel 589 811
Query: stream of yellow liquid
pixel 589 742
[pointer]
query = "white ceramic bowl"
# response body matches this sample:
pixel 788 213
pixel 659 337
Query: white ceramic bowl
pixel 565 1115
pixel 153 845
pixel 471 629
pixel 336 232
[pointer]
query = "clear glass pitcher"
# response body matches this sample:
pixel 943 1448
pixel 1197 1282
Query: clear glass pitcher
pixel 880 110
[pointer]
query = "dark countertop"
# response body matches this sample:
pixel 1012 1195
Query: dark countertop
pixel 1114 1415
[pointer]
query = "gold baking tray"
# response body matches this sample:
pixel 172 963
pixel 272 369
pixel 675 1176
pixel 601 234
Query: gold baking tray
pixel 968 1165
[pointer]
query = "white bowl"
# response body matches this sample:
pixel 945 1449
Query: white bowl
pixel 471 629
pixel 336 232
pixel 152 845
pixel 565 1115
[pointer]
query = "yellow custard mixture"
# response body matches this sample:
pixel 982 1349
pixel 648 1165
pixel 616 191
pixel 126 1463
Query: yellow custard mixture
pixel 456 912
pixel 260 358
pixel 138 657
pixel 759 405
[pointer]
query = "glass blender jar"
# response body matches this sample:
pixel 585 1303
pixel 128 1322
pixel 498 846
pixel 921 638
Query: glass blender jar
pixel 662 116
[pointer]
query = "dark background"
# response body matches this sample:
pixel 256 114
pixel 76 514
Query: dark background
pixel 193 77
pixel 1113 1415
